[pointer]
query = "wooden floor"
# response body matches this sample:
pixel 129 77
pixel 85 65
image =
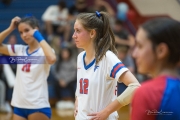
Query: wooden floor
pixel 68 114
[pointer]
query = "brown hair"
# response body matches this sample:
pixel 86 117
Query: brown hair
pixel 104 39
pixel 165 30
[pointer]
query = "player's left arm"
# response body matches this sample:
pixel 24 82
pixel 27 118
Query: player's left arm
pixel 50 55
pixel 125 98
pixel 129 80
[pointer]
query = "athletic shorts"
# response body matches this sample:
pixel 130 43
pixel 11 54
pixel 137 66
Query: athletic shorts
pixel 26 112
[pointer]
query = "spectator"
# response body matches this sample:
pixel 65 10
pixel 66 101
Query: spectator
pixel 55 44
pixel 12 40
pixel 65 73
pixel 79 7
pixel 55 18
pixel 122 36
pixel 6 2
pixel 102 5
pixel 4 105
pixel 126 58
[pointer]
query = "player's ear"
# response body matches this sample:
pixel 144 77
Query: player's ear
pixel 162 51
pixel 92 33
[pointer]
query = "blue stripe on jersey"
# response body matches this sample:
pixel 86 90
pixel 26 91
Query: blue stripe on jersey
pixel 90 64
pixel 32 52
pixel 170 105
pixel 116 68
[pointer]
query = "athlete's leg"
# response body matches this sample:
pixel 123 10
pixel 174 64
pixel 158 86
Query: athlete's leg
pixel 19 114
pixel 38 116
pixel 17 117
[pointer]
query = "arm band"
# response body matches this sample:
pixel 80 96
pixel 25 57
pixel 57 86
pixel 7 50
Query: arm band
pixel 37 35
pixel 126 96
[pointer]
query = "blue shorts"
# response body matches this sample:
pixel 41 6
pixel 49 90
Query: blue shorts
pixel 26 112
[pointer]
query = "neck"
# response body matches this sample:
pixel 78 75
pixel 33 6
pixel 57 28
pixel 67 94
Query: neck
pixel 169 71
pixel 33 45
pixel 90 54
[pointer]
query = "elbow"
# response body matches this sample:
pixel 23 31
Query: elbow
pixel 51 60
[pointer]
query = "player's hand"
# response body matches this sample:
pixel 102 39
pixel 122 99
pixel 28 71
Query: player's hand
pixel 14 22
pixel 102 115
pixel 32 31
pixel 76 108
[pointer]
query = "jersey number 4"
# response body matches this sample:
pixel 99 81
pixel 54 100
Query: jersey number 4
pixel 84 83
pixel 26 67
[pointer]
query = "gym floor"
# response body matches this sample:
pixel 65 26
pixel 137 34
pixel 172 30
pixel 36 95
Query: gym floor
pixel 68 114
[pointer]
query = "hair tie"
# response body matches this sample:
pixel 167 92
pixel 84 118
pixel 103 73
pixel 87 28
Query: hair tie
pixel 98 14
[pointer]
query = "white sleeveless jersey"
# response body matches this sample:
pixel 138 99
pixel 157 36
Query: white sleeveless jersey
pixel 97 84
pixel 30 89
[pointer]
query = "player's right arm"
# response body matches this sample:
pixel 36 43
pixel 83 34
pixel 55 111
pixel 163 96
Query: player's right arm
pixel 5 33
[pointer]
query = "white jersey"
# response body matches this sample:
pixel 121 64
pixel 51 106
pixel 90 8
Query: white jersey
pixel 97 84
pixel 30 89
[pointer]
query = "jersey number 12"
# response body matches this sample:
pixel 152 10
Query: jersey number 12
pixel 84 83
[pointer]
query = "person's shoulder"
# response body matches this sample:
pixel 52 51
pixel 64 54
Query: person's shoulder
pixel 81 54
pixel 110 53
pixel 52 7
pixel 152 85
pixel 152 81
pixel 20 46
pixel 144 90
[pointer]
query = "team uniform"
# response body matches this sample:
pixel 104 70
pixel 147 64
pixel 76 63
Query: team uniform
pixel 157 99
pixel 97 84
pixel 30 89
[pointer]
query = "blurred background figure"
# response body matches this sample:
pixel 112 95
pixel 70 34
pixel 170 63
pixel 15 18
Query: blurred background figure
pixel 125 57
pixel 102 5
pixel 55 43
pixel 78 7
pixel 4 104
pixel 65 73
pixel 122 9
pixel 6 2
pixel 55 18
pixel 12 39
pixel 122 35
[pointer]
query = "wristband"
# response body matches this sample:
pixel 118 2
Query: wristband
pixel 37 35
